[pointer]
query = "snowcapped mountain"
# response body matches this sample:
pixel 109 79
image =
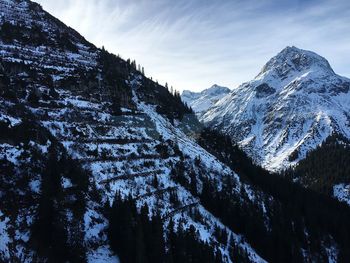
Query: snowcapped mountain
pixel 292 106
pixel 96 164
pixel 200 102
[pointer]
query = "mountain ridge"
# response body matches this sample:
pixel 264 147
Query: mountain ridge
pixel 89 113
pixel 200 102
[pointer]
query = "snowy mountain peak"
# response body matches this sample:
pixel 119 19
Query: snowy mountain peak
pixel 12 2
pixel 215 90
pixel 295 103
pixel 200 102
pixel 291 61
pixel 9 7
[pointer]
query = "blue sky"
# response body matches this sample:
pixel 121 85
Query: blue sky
pixel 192 44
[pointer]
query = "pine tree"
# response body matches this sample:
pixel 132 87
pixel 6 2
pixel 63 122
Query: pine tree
pixel 49 235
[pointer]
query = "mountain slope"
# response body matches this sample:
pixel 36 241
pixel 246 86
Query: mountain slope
pixel 85 137
pixel 294 104
pixel 200 102
pixel 326 169
pixel 81 105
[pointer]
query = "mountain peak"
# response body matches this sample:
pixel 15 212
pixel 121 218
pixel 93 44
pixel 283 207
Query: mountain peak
pixel 14 2
pixel 292 59
pixel 200 102
pixel 289 49
pixel 215 90
pixel 212 91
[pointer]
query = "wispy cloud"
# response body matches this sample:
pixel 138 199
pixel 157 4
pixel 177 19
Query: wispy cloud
pixel 193 44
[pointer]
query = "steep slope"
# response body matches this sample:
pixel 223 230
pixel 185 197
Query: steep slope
pixel 326 169
pixel 292 203
pixel 83 133
pixel 200 102
pixel 81 105
pixel 294 104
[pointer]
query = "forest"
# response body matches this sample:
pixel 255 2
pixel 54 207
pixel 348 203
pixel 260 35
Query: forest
pixel 325 166
pixel 295 209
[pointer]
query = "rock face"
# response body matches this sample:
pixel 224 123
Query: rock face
pixel 200 102
pixel 293 104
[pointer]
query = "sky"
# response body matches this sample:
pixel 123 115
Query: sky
pixel 193 44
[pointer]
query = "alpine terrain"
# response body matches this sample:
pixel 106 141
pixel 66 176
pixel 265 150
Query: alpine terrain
pixel 294 104
pixel 200 102
pixel 98 163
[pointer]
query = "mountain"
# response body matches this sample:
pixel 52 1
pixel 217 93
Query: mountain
pixel 82 131
pixel 200 102
pixel 98 163
pixel 291 107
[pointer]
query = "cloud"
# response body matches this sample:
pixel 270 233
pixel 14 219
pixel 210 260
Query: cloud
pixel 193 44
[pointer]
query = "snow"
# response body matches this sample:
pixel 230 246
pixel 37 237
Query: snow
pixel 12 121
pixel 186 145
pixel 43 148
pixel 332 254
pixel 192 150
pixel 102 255
pixel 202 101
pixel 10 152
pixel 66 183
pixel 79 103
pixel 95 225
pixel 250 192
pixel 342 192
pixel 4 237
pixel 93 229
pixel 35 186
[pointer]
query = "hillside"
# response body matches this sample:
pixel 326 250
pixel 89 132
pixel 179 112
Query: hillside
pixel 98 163
pixel 81 126
pixel 326 169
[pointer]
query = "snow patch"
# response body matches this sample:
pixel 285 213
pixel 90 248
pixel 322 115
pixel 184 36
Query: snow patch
pixel 342 192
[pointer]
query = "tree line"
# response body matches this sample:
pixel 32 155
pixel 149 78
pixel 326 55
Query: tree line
pixel 325 166
pixel 294 210
pixel 137 237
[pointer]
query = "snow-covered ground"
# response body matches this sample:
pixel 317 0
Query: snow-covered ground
pixel 57 62
pixel 121 154
pixel 342 192
pixel 4 236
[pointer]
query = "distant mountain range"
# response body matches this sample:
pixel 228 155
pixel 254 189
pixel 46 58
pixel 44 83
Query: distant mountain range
pixel 201 102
